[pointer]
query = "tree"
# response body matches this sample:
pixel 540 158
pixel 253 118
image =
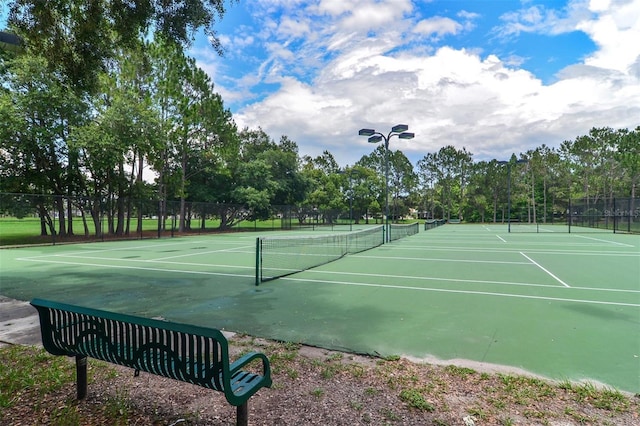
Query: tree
pixel 402 182
pixel 628 154
pixel 451 169
pixel 40 111
pixel 113 147
pixel 427 180
pixel 80 37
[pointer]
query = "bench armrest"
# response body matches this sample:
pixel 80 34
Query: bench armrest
pixel 248 358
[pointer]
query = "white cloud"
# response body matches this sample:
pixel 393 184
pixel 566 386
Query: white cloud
pixel 542 20
pixel 364 76
pixel 617 34
pixel 437 25
pixel 292 27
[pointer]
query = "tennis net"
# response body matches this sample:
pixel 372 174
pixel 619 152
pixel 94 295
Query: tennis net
pixel 401 230
pixel 280 256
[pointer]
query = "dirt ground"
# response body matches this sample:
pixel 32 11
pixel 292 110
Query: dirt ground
pixel 313 386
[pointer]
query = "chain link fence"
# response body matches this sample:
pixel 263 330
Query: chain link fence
pixel 41 218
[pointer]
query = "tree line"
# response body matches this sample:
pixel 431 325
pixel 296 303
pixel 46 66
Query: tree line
pixel 88 131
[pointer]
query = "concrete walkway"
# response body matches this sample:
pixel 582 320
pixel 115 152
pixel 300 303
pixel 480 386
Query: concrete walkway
pixel 19 323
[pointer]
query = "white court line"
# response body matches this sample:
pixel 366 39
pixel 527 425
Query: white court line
pixel 518 250
pixel 605 241
pixel 182 271
pixel 203 252
pixel 116 249
pixel 483 293
pixel 508 283
pixel 430 259
pixel 548 272
pixel 501 239
pixel 135 261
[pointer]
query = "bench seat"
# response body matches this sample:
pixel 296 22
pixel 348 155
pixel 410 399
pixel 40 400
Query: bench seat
pixel 188 353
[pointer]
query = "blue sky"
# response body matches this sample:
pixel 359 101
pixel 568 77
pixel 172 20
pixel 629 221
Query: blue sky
pixel 494 76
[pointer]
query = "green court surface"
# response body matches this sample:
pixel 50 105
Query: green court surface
pixel 565 306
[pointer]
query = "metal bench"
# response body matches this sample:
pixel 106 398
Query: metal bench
pixel 188 353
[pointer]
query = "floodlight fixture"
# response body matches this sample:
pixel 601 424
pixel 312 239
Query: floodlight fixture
pixel 374 139
pixel 366 132
pixel 399 128
pixel 406 135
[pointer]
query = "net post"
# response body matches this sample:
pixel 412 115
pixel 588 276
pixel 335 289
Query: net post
pixel 570 214
pixel 257 261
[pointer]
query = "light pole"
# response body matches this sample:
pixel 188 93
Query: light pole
pixel 399 130
pixel 508 163
pixel 352 173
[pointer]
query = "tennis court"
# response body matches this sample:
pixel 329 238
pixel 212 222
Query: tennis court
pixel 562 305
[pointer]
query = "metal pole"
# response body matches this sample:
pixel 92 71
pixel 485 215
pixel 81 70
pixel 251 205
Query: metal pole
pixel 509 197
pixel 350 205
pixel 386 185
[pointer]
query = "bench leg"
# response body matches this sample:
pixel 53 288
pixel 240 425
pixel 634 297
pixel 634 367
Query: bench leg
pixel 81 376
pixel 243 414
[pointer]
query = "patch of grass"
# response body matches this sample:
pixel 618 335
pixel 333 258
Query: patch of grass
pixel 356 405
pixel 291 346
pixel 389 414
pixel 525 390
pixel 329 371
pixel 414 399
pixel 371 391
pixel 606 399
pixel 536 414
pixel 477 412
pixel 579 417
pixel 498 403
pixel 26 370
pixel 66 415
pixel 291 372
pixel 318 392
pixel 459 371
pixel 357 371
pixel 336 357
pixel 118 407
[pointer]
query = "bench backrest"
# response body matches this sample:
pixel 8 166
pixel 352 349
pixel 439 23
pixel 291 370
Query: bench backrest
pixel 188 353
